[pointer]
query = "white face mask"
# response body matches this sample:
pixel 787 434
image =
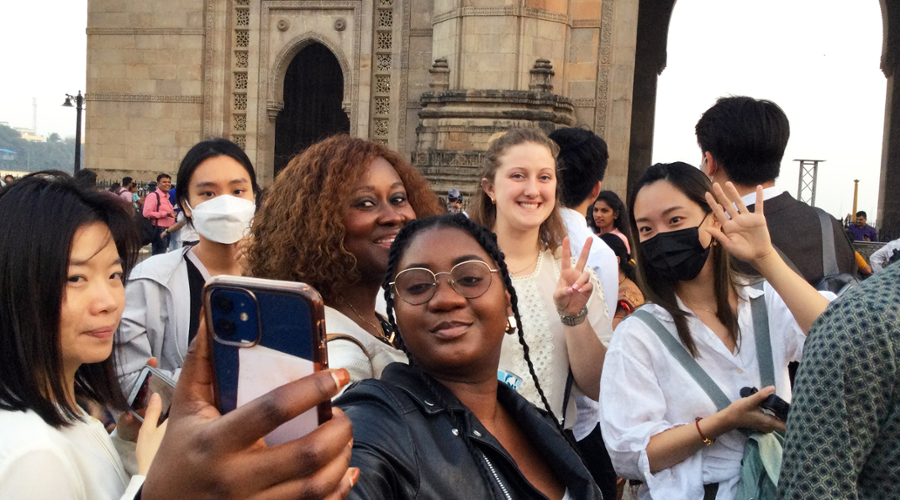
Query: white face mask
pixel 223 219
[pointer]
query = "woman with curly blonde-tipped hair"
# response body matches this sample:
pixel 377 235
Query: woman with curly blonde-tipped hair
pixel 329 220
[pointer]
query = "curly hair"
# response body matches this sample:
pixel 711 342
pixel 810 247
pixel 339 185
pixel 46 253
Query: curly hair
pixel 484 212
pixel 298 233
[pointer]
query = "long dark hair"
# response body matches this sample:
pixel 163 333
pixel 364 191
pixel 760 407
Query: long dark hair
pixel 618 247
pixel 203 151
pixel 694 184
pixel 621 222
pixel 41 214
pixel 488 242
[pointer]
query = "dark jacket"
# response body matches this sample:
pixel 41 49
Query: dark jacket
pixel 796 232
pixel 408 445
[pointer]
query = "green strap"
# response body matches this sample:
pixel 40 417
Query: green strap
pixel 684 357
pixel 761 333
pixel 763 349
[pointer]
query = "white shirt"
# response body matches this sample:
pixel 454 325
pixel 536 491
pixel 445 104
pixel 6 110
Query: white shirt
pixel 768 194
pixel 546 337
pixel 645 391
pixel 71 463
pixel 880 257
pixel 602 259
pixel 346 354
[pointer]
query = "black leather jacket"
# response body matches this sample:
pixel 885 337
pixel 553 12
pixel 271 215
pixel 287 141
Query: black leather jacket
pixel 407 445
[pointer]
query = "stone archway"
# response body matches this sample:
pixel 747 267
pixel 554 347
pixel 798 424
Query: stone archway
pixel 650 61
pixel 312 100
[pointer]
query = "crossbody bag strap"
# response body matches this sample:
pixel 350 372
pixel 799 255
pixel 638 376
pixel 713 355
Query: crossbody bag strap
pixel 570 379
pixel 761 332
pixel 685 359
pixel 829 259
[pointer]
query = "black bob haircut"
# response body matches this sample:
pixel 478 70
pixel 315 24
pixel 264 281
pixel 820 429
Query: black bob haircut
pixel 581 163
pixel 747 136
pixel 203 151
pixel 41 214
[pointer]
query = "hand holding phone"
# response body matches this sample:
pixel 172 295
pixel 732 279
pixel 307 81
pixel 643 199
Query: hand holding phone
pixel 265 334
pixel 151 381
pixel 772 405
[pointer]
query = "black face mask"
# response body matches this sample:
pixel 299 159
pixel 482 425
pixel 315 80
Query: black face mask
pixel 676 255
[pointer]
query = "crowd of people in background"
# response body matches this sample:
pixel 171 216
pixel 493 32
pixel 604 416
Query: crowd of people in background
pixel 534 336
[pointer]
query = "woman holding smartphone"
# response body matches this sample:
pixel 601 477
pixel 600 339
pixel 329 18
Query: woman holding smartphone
pixel 64 253
pixel 329 220
pixel 566 321
pixel 216 188
pixel 659 425
pixel 444 426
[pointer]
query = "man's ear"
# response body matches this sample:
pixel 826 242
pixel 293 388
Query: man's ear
pixel 709 165
pixel 595 191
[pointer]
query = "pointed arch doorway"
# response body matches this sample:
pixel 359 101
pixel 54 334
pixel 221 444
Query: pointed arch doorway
pixel 313 95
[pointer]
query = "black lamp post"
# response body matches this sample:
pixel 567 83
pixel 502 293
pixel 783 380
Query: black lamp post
pixel 79 105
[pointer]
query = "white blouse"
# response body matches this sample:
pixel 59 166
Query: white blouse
pixel 346 354
pixel 645 391
pixel 546 336
pixel 78 462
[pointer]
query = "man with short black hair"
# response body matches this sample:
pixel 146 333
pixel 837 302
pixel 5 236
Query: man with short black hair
pixel 454 201
pixel 743 141
pixel 159 210
pixel 862 231
pixel 126 191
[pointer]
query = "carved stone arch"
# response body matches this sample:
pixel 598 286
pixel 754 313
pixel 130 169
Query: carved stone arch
pixel 287 54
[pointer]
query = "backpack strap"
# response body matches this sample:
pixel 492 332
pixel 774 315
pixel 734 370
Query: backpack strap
pixel 685 359
pixel 829 259
pixel 760 316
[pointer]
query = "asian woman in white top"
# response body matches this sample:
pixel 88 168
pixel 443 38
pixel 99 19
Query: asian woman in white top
pixel 329 220
pixel 659 425
pixel 566 321
pixel 64 253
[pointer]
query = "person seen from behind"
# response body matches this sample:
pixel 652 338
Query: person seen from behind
pixel 630 296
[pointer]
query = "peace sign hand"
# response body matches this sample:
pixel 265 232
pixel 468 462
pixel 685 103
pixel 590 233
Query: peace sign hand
pixel 574 287
pixel 743 233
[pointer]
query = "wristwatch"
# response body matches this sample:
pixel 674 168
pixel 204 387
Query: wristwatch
pixel 574 319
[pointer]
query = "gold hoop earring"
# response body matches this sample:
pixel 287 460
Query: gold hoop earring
pixel 511 325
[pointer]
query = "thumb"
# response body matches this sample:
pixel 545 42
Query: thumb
pixel 154 408
pixel 153 362
pixel 762 394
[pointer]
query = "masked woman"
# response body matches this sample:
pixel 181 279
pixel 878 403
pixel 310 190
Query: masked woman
pixel 659 425
pixel 216 188
pixel 444 427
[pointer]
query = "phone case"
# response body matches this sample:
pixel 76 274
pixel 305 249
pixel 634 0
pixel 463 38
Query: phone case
pixel 151 381
pixel 264 334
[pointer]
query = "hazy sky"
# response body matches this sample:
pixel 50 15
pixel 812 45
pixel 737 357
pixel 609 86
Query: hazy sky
pixel 818 59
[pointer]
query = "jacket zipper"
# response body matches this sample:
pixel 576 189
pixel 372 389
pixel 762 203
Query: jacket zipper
pixel 497 477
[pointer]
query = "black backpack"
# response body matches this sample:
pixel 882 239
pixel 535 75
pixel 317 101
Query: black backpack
pixel 833 280
pixel 149 229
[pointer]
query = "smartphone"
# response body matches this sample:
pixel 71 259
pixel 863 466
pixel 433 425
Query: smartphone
pixel 772 405
pixel 264 334
pixel 151 381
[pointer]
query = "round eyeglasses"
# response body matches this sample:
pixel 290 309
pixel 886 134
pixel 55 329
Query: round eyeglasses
pixel 417 285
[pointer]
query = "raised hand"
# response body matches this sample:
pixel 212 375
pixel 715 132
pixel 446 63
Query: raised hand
pixel 574 286
pixel 743 233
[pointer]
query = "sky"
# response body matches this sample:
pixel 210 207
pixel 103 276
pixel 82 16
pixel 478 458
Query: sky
pixel 818 59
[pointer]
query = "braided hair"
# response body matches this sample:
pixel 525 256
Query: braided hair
pixel 488 242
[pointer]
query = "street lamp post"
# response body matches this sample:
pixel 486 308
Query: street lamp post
pixel 79 105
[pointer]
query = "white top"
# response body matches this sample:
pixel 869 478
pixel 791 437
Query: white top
pixel 645 391
pixel 768 194
pixel 546 336
pixel 602 259
pixel 346 354
pixel 76 462
pixel 880 257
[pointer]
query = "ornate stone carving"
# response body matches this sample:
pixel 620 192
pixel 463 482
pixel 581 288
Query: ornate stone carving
pixel 601 111
pixel 340 24
pixel 440 75
pixel 423 32
pixel 283 25
pixel 541 76
pixel 501 11
pixel 144 31
pixel 116 97
pixel 240 102
pixel 273 108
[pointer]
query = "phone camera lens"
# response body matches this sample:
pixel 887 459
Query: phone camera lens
pixel 223 304
pixel 225 328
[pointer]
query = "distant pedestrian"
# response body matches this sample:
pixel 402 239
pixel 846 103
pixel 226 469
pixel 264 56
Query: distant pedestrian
pixel 9 179
pixel 159 210
pixel 861 231
pixel 454 201
pixel 86 179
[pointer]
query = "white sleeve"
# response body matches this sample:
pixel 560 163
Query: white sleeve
pixel 346 354
pixel 598 315
pixel 880 258
pixel 40 472
pixel 632 403
pixel 603 261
